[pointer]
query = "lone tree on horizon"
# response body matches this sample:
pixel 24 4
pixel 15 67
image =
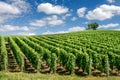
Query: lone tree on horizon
pixel 93 26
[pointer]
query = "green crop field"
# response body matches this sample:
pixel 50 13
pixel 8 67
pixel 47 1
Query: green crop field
pixel 76 54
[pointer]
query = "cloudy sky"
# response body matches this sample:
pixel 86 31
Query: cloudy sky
pixel 30 17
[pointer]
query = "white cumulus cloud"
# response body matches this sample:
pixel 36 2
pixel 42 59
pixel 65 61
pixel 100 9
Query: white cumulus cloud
pixel 81 11
pixel 77 28
pixel 4 28
pixel 108 26
pixel 72 29
pixel 111 1
pixel 21 4
pixel 65 16
pixel 58 32
pixel 12 8
pixel 25 33
pixel 8 9
pixel 103 12
pixel 48 8
pixel 38 23
pixel 48 21
pixel 73 19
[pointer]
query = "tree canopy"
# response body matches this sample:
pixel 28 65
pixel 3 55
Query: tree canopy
pixel 93 26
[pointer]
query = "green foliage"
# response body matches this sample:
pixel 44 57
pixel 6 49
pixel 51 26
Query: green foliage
pixel 30 53
pixel 17 53
pixel 35 46
pixel 4 57
pixel 117 61
pixel 53 64
pixel 97 61
pixel 70 65
pixel 112 60
pixel 63 57
pixel 47 57
pixel 105 64
pixel 85 50
pixel 79 60
pixel 89 69
pixel 85 62
pixel 93 26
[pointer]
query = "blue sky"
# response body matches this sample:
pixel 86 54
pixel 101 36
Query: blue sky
pixel 30 17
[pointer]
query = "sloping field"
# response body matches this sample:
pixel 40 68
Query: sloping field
pixel 83 53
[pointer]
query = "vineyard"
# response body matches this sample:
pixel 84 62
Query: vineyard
pixel 81 53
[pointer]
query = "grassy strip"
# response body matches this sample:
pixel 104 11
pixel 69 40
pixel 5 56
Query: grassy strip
pixel 26 76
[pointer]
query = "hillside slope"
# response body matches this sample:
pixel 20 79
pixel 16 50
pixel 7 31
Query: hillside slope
pixel 81 53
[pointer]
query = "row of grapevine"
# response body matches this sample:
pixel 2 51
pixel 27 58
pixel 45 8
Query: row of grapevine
pixel 101 57
pixel 29 52
pixel 45 54
pixel 17 53
pixel 84 51
pixel 84 59
pixel 62 55
pixel 3 55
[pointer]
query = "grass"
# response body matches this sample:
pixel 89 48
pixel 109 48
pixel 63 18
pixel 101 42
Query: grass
pixel 38 76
